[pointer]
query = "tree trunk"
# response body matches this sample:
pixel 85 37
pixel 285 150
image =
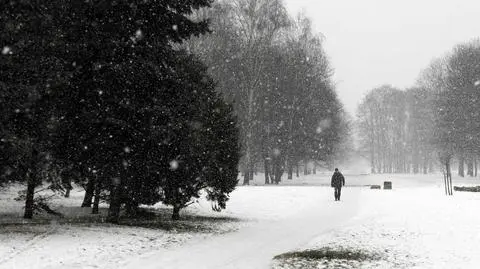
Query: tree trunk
pixel 115 201
pixel 31 182
pixel 276 170
pixel 252 169
pixel 176 213
pixel 314 168
pixel 298 172
pixel 32 177
pixel 249 137
pixel 372 162
pixel 461 168
pixel 67 193
pixel 372 146
pixel 475 160
pixel 470 167
pixel 305 168
pixel 96 201
pixel 132 208
pixel 246 177
pixel 290 171
pixel 266 164
pixel 416 160
pixel 445 182
pixel 87 199
pixel 448 178
pixel 425 165
pixel 67 184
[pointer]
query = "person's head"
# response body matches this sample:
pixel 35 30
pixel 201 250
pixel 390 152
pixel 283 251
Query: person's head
pixel 336 169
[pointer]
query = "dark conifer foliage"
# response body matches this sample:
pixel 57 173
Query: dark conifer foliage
pixel 112 99
pixel 202 151
pixel 29 72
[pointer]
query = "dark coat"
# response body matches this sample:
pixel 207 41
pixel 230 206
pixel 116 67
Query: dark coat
pixel 338 180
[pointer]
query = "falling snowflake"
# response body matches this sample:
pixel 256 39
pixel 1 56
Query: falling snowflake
pixel 138 34
pixel 116 181
pixel 124 163
pixel 276 152
pixel 477 83
pixel 175 27
pixel 127 149
pixel 195 125
pixel 174 165
pixel 100 92
pixel 6 50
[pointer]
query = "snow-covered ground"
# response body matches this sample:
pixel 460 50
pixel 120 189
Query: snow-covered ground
pixel 412 226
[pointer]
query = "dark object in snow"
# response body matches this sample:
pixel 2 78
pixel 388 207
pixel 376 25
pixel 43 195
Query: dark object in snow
pixel 375 187
pixel 338 181
pixel 328 253
pixel 387 185
pixel 468 189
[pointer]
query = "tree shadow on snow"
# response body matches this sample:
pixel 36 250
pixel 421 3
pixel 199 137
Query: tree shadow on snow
pixel 161 219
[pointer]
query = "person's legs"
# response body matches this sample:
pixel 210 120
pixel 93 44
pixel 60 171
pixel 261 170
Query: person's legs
pixel 337 196
pixel 339 192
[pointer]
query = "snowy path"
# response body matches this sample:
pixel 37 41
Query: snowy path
pixel 255 246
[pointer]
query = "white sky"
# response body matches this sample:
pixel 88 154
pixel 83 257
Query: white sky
pixel 375 42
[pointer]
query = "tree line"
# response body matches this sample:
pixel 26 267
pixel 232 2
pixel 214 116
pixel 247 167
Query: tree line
pixel 274 70
pixel 432 123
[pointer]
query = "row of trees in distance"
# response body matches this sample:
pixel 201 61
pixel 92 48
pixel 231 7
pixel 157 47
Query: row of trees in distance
pixel 434 122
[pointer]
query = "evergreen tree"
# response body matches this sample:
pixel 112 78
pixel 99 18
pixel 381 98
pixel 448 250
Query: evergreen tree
pixel 29 72
pixel 111 72
pixel 202 151
pixel 122 62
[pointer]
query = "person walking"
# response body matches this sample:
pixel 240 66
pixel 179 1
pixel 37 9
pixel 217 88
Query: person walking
pixel 338 181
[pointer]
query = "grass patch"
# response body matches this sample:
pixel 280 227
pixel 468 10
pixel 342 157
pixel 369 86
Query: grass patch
pixel 329 254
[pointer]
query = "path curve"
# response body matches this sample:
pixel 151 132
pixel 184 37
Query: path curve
pixel 254 247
